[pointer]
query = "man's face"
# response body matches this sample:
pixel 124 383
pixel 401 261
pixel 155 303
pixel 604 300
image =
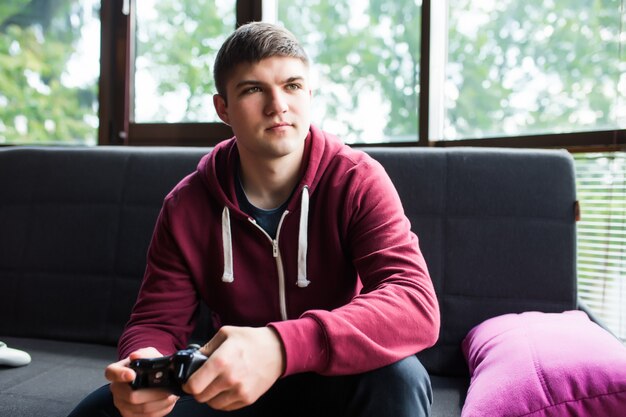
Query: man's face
pixel 268 106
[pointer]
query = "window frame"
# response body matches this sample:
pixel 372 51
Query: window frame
pixel 117 128
pixel 116 89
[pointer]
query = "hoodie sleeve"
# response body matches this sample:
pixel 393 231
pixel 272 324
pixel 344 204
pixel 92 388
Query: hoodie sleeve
pixel 164 313
pixel 395 315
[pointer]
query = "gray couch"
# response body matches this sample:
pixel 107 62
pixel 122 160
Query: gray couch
pixel 497 229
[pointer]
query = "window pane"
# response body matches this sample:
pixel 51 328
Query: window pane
pixel 533 67
pixel 176 44
pixel 365 57
pixel 49 69
pixel 601 188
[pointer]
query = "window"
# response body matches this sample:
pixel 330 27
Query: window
pixel 532 67
pixel 49 69
pixel 536 73
pixel 601 185
pixel 362 53
pixel 158 85
pixel 176 44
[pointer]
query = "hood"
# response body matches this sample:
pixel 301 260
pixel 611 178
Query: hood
pixel 216 170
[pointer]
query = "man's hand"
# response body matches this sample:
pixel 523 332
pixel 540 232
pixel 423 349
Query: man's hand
pixel 243 364
pixel 139 403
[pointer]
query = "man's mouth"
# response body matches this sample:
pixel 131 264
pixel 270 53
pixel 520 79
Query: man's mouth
pixel 279 125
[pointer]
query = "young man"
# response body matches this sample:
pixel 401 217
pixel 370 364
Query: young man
pixel 299 246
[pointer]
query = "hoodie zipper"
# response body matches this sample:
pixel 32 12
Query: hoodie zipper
pixel 279 263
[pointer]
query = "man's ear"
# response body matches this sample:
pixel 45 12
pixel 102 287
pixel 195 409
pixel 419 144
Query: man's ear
pixel 220 107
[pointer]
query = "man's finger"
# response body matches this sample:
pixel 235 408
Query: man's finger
pixel 160 405
pixel 204 392
pixel 227 401
pixel 148 352
pixel 204 384
pixel 128 397
pixel 119 372
pixel 213 344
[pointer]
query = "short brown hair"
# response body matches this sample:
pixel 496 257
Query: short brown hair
pixel 251 43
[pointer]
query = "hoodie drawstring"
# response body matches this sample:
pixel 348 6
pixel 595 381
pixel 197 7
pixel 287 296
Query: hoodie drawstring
pixel 227 242
pixel 303 242
pixel 303 238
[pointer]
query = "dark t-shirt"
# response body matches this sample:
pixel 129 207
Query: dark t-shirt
pixel 267 219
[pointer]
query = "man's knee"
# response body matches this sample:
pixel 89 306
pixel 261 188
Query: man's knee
pixel 407 372
pixel 415 377
pixel 404 382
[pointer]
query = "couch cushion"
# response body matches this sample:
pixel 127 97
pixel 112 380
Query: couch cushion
pixel 60 375
pixel 448 395
pixel 538 365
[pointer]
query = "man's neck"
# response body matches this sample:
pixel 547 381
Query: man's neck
pixel 269 183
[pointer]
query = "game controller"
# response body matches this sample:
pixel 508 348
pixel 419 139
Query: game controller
pixel 167 372
pixel 12 357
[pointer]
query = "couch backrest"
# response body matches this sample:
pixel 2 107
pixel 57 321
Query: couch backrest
pixel 496 227
pixel 74 230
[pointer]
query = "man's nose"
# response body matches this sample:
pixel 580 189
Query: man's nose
pixel 276 103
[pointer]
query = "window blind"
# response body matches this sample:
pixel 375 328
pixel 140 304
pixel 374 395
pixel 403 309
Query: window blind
pixel 601 258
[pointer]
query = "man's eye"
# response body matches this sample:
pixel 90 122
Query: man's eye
pixel 252 90
pixel 293 86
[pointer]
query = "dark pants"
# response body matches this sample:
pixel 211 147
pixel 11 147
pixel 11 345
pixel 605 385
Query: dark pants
pixel 398 390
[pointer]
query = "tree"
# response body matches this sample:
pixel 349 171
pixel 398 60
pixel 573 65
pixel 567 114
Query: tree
pixel 512 67
pixel 533 67
pixel 37 40
pixel 176 48
pixel 375 50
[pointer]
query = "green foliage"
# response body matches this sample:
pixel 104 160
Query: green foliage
pixel 177 49
pixel 535 67
pixel 35 104
pixel 512 67
pixel 10 9
pixel 379 55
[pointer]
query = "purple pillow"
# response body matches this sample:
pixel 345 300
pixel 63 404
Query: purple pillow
pixel 544 365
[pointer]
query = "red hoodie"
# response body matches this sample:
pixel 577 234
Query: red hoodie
pixel 344 283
